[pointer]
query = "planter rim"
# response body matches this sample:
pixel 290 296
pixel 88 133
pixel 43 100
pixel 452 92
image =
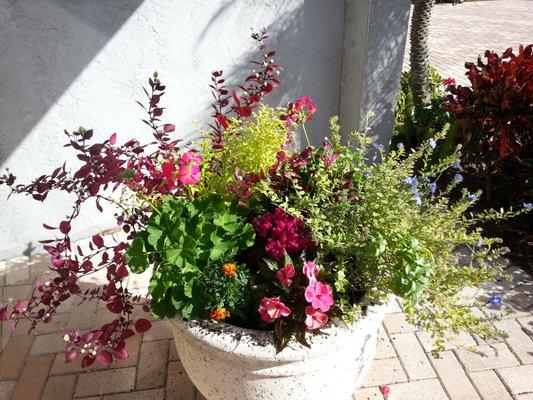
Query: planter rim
pixel 254 344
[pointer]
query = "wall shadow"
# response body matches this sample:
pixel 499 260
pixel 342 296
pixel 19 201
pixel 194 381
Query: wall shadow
pixel 44 46
pixel 307 36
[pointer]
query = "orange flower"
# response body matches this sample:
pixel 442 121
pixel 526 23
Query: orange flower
pixel 229 270
pixel 219 314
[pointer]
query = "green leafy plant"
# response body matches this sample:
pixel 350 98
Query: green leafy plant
pixel 190 242
pixel 412 128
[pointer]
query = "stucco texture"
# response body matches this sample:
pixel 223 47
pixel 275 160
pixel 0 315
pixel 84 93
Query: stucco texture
pixel 67 63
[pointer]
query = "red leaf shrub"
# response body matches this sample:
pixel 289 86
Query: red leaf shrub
pixel 495 113
pixel 495 116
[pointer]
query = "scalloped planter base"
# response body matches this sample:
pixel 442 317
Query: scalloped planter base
pixel 226 362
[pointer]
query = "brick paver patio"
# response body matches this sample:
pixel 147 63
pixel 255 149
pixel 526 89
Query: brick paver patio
pixel 463 32
pixel 33 367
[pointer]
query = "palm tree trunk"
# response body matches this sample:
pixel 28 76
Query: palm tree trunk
pixel 419 54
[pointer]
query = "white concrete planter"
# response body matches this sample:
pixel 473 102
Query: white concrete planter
pixel 226 362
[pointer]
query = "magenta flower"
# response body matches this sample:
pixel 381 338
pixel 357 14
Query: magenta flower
pixel 315 319
pixel 189 169
pixel 285 274
pixel 310 270
pixel 283 233
pixel 319 295
pixel 271 308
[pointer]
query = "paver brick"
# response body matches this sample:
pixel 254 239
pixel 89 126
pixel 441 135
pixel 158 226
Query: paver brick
pixel 179 386
pixel 496 356
pixel 396 323
pixel 520 343
pixel 518 379
pixel 14 357
pixel 412 356
pixel 453 377
pixel 418 390
pixel 6 388
pixel 105 382
pixel 48 344
pixel 33 378
pixel 463 339
pixel 489 385
pixel 527 324
pixel 17 271
pixel 154 394
pixel 172 352
pixel 160 330
pixel 384 347
pixel 384 372
pixel 371 393
pixel 152 367
pixel 59 387
pixel 527 396
pixel 19 292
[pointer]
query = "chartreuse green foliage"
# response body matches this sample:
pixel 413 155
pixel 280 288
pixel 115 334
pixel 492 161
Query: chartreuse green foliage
pixel 397 234
pixel 189 241
pixel 249 146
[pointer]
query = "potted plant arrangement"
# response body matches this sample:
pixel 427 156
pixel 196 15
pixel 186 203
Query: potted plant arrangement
pixel 273 262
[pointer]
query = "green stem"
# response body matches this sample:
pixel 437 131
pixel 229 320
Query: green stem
pixel 306 137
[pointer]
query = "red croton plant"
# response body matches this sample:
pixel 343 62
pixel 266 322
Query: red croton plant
pixel 495 112
pixel 106 167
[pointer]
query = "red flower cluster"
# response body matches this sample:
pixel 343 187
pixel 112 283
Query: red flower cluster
pixel 282 232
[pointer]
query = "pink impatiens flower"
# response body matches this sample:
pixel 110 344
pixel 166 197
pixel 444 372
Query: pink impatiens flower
pixel 271 308
pixel 319 295
pixel 285 274
pixel 189 170
pixel 315 319
pixel 310 269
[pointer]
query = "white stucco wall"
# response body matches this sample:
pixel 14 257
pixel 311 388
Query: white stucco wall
pixel 70 63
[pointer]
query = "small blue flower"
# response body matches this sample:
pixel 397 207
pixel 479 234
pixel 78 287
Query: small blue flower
pixel 458 178
pixel 379 146
pixel 495 300
pixel 433 187
pixel 479 242
pixel 432 143
pixel 416 194
pixel 457 165
pixel 472 196
pixel 496 315
pixel 400 146
pixel 411 180
pixel 527 206
pixel 420 326
pixel 487 286
pixel 367 174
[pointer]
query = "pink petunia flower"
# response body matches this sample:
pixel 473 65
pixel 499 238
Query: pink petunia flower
pixel 310 269
pixel 271 308
pixel 285 274
pixel 319 295
pixel 315 319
